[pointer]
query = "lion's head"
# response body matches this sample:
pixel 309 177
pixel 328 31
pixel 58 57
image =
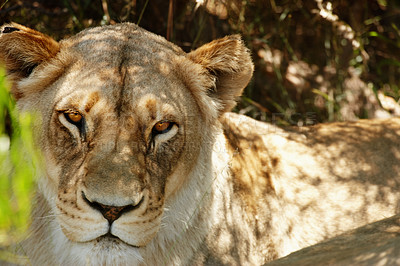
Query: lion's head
pixel 123 119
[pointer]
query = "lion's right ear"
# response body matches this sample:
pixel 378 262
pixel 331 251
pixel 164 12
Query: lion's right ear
pixel 22 49
pixel 226 69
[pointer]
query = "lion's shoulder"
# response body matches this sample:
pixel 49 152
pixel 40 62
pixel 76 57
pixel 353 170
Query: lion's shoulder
pixel 250 164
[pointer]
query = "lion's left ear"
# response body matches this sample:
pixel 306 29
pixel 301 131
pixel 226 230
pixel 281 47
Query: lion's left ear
pixel 22 49
pixel 228 63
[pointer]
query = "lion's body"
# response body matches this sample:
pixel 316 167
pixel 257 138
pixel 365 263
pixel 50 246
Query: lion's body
pixel 373 244
pixel 314 182
pixel 211 187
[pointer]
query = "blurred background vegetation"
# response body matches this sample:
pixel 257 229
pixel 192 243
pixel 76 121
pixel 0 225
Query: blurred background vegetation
pixel 316 61
pixel 17 170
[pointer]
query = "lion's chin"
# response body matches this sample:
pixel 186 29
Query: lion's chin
pixel 110 250
pixel 104 250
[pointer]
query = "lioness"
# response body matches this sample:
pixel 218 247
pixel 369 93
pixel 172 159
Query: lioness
pixel 144 164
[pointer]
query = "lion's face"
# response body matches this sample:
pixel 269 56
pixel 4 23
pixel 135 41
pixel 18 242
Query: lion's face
pixel 122 125
pixel 124 117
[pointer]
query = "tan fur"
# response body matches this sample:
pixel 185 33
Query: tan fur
pixel 24 49
pixel 217 188
pixel 374 244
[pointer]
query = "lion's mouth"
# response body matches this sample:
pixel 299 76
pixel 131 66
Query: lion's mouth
pixel 113 239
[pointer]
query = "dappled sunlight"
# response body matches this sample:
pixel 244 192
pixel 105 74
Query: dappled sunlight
pixel 326 179
pixel 374 244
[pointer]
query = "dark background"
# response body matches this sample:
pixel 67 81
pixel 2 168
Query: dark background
pixel 315 61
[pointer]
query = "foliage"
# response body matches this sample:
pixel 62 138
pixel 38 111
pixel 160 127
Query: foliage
pixel 17 160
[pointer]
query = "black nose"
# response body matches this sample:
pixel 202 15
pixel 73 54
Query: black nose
pixel 112 213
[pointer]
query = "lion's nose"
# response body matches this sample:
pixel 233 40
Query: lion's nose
pixel 112 213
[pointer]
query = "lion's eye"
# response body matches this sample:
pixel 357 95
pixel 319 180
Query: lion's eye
pixel 74 118
pixel 162 127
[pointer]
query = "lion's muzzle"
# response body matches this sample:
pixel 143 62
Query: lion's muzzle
pixel 112 213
